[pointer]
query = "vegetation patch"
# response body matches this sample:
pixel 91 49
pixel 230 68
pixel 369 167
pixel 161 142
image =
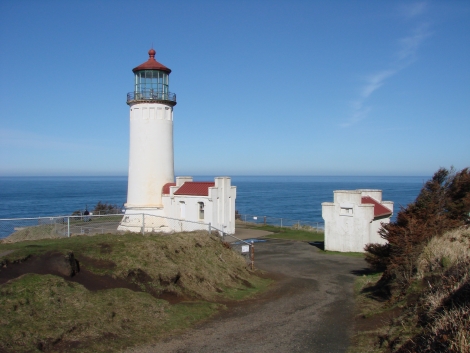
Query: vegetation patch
pixel 348 254
pixel 106 292
pixel 421 301
pixel 289 233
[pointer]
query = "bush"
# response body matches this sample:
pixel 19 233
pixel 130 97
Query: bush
pixel 105 208
pixel 443 204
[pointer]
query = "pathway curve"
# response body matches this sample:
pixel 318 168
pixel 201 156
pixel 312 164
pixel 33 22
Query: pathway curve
pixel 309 309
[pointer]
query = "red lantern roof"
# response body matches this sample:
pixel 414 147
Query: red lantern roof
pixel 151 64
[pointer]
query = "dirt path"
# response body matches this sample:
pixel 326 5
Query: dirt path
pixel 309 309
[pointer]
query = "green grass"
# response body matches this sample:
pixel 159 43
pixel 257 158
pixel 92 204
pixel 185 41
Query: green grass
pixel 185 314
pixel 291 233
pixel 349 254
pixel 257 285
pixel 38 310
pixel 46 312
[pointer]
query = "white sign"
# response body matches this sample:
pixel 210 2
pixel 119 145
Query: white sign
pixel 255 217
pixel 245 248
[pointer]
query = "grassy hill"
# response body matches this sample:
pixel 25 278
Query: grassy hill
pixel 106 292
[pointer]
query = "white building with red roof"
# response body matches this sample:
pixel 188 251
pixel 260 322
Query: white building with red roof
pixel 155 202
pixel 354 218
pixel 202 202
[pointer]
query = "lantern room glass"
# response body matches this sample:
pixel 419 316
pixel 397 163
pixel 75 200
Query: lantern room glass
pixel 151 84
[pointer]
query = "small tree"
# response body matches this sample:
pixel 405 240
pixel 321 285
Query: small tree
pixel 105 208
pixel 442 204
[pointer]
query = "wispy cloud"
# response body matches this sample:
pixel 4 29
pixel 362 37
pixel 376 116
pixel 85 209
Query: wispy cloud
pixel 413 10
pixel 375 81
pixel 404 56
pixel 410 44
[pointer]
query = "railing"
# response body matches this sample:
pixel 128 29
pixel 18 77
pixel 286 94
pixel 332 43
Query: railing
pixel 151 95
pixel 244 248
pixel 65 226
pixel 281 222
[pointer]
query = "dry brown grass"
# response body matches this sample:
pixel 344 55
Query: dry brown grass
pixel 444 252
pixel 46 231
pixel 194 264
pixel 434 313
pixel 48 313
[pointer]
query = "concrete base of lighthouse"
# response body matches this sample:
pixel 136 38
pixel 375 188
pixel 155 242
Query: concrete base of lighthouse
pixel 144 220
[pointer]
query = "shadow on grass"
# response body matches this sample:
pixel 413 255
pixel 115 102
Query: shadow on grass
pixel 318 244
pixel 364 272
pixel 321 246
pixel 376 288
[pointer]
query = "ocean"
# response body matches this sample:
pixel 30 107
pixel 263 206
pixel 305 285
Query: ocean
pixel 287 197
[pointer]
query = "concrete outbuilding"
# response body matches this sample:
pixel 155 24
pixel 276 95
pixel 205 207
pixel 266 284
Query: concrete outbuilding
pixel 202 202
pixel 354 218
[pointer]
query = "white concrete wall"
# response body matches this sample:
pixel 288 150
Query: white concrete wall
pixel 223 195
pixel 219 205
pixel 150 219
pixel 375 194
pixel 350 225
pixel 150 154
pixel 374 231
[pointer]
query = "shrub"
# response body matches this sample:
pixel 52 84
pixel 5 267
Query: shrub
pixel 443 204
pixel 105 208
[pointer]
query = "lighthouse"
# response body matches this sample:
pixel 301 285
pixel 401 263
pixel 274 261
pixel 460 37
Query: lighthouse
pixel 151 164
pixel 156 202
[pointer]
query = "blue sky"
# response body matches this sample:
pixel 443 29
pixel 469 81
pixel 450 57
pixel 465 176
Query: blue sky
pixel 296 87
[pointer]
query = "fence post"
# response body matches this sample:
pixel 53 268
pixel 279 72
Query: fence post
pixel 210 229
pixel 281 222
pixel 252 248
pixel 143 223
pixel 68 226
pixel 264 220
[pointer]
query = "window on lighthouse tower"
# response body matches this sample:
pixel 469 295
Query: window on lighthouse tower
pixel 151 84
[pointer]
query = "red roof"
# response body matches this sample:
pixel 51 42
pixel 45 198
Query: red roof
pixel 151 64
pixel 379 209
pixel 166 188
pixel 195 188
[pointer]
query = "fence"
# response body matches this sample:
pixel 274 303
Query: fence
pixel 19 229
pixel 65 226
pixel 281 222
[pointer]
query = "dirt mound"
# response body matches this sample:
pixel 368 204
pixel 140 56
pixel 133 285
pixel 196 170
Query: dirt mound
pixel 104 292
pixel 53 262
pixel 182 266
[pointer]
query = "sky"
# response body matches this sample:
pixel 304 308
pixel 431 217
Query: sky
pixel 263 87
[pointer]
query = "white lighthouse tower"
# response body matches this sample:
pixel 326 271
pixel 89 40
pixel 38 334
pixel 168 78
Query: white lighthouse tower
pixel 155 201
pixel 151 163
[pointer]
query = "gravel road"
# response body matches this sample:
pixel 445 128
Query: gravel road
pixel 308 309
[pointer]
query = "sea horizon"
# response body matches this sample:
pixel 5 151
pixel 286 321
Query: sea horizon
pixel 294 198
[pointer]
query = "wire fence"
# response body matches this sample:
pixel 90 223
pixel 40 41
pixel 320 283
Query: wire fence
pixel 280 222
pixel 18 229
pixel 65 226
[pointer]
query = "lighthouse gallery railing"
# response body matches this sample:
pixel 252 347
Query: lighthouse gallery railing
pixel 149 95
